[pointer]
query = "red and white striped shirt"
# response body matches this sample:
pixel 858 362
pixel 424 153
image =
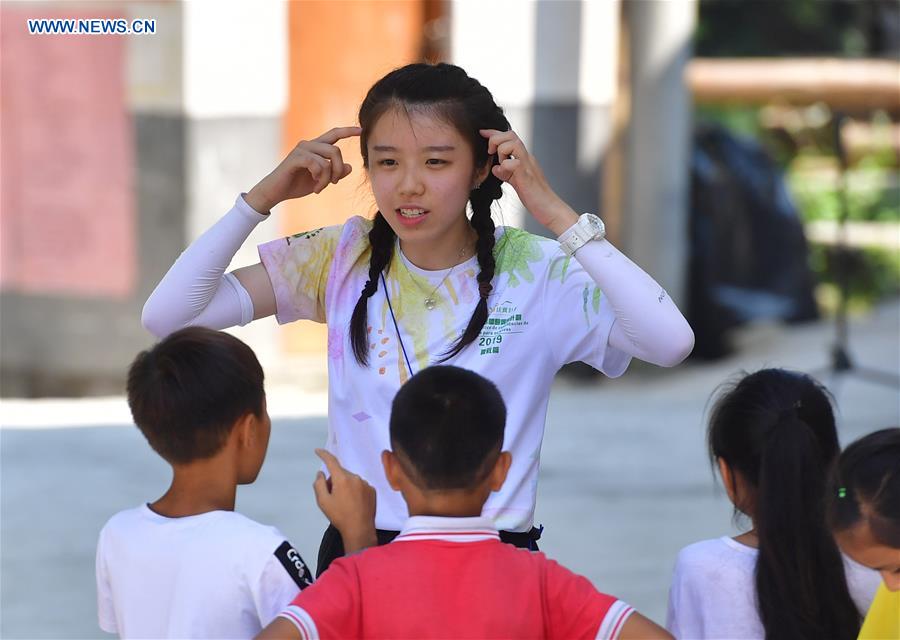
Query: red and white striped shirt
pixel 453 577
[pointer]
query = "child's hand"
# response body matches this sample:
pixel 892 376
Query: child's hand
pixel 520 169
pixel 348 502
pixel 308 168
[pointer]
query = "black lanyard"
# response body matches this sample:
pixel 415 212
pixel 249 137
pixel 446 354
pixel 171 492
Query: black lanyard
pixel 396 326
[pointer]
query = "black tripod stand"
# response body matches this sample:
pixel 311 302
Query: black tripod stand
pixel 841 361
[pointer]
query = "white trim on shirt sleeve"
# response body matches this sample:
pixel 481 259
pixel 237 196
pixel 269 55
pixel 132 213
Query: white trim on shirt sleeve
pixel 614 620
pixel 302 620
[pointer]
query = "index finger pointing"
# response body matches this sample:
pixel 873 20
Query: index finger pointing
pixel 487 133
pixel 339 133
pixel 332 463
pixel 495 137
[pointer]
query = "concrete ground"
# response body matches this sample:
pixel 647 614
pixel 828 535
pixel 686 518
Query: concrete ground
pixel 625 482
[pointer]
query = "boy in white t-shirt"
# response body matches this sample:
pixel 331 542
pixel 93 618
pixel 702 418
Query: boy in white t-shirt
pixel 187 565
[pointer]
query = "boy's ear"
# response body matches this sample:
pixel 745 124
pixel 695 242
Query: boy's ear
pixel 391 469
pixel 245 430
pixel 501 469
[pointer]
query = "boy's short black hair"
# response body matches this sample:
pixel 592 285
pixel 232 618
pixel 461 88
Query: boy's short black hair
pixel 447 423
pixel 187 392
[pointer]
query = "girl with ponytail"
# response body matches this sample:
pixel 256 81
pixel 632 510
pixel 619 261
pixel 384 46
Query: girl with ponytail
pixel 430 279
pixel 773 438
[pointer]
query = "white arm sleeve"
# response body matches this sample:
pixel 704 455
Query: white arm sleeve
pixel 648 325
pixel 195 290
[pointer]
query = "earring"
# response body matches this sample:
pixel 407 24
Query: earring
pixel 477 186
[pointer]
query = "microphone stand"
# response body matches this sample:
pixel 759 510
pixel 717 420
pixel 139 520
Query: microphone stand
pixel 841 362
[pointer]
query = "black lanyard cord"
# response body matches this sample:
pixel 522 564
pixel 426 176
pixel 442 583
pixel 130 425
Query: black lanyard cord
pixel 396 326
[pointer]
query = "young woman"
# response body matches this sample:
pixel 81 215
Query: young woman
pixel 864 512
pixel 773 438
pixel 424 282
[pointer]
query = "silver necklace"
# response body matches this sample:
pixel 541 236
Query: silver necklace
pixel 430 301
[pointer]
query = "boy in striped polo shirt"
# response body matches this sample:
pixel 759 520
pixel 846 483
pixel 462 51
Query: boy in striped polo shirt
pixel 448 574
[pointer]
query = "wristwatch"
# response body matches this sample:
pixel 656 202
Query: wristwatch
pixel 589 227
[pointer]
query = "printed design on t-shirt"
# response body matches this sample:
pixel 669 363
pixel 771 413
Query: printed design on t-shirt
pixel 415 288
pixel 379 347
pixel 590 295
pixel 466 287
pixel 351 258
pixel 420 326
pixel 304 235
pixel 559 269
pixel 408 303
pixel 294 565
pixel 336 343
pixel 514 254
pixel 336 336
pixel 303 267
pixel 504 319
pixel 593 294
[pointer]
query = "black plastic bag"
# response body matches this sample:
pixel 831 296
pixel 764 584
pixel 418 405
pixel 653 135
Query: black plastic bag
pixel 748 253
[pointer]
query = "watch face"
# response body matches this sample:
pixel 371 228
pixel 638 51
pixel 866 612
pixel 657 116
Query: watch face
pixel 592 225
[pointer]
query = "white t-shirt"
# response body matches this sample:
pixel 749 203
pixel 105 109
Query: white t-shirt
pixel 544 311
pixel 213 575
pixel 713 592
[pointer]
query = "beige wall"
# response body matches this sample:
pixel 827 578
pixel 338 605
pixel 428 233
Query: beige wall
pixel 337 51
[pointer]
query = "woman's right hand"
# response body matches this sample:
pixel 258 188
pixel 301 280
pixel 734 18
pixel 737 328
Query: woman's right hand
pixel 308 168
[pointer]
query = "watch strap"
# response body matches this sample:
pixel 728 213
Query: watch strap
pixel 589 227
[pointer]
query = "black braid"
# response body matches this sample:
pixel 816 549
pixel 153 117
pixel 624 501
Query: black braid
pixel 381 239
pixel 481 200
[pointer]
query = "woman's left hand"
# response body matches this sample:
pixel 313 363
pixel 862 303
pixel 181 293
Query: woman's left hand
pixel 520 169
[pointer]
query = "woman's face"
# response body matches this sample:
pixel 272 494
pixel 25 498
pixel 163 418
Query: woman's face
pixel 421 170
pixel 859 543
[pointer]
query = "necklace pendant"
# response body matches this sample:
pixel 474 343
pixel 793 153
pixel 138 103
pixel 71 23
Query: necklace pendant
pixel 430 303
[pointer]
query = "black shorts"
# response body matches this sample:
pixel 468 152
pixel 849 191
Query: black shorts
pixel 332 546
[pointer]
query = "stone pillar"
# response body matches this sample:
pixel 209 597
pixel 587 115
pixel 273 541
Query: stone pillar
pixel 234 99
pixel 552 68
pixel 658 140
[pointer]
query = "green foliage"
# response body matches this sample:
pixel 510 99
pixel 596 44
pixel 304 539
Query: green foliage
pixel 811 172
pixel 872 195
pixel 801 142
pixel 746 28
pixel 742 120
pixel 873 274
